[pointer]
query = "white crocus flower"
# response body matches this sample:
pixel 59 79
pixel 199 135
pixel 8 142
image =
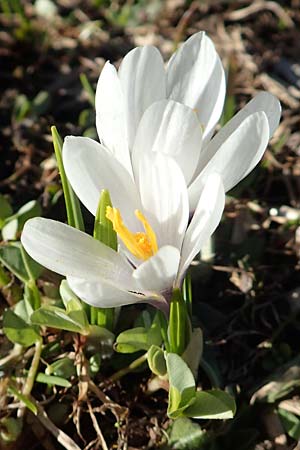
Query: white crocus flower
pixel 157 242
pixel 143 104
pixel 194 76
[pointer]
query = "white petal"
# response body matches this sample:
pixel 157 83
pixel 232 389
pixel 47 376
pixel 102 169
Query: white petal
pixel 71 252
pixel 195 77
pixel 158 273
pixel 263 101
pixel 204 222
pixel 103 295
pixel 164 198
pixel 171 128
pixel 110 115
pixel 236 156
pixel 142 77
pixel 91 168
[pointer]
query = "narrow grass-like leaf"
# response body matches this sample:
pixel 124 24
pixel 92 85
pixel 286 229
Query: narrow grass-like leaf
pixel 104 232
pixel 177 323
pixel 52 380
pixel 103 228
pixel 74 214
pixel 88 89
pixel 22 399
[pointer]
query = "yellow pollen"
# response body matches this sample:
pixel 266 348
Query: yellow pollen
pixel 141 245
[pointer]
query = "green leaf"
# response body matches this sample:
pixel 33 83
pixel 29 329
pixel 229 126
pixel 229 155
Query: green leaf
pixel 157 361
pixel 70 300
pixel 88 89
pixel 10 429
pixel 15 223
pixel 133 340
pixel 52 316
pixel 179 326
pixel 186 435
pixel 139 338
pixel 52 380
pixel 103 228
pixel 213 404
pixel 31 406
pixel 193 352
pixel 11 257
pixel 5 210
pixel 290 422
pixel 63 367
pixel 74 214
pixel 182 385
pixel 18 331
pixel 104 232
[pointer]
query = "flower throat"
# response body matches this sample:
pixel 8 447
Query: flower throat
pixel 141 245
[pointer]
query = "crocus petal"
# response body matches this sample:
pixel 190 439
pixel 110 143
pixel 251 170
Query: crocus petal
pixel 263 101
pixel 204 222
pixel 236 156
pixel 158 273
pixel 171 128
pixel 195 77
pixel 142 77
pixel 101 294
pixel 164 198
pixel 91 168
pixel 110 115
pixel 71 252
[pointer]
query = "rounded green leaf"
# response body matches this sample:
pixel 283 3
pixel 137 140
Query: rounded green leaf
pixel 213 404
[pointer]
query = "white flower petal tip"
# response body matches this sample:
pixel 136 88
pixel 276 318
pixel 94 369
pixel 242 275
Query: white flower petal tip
pixel 195 77
pixel 142 78
pixel 233 153
pixel 270 105
pixel 110 115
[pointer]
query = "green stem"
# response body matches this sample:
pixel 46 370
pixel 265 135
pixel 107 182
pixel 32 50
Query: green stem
pixel 32 372
pixel 33 368
pixel 132 366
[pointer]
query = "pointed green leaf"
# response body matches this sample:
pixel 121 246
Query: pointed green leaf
pixel 103 228
pixel 213 404
pixel 63 367
pixel 54 317
pixel 52 380
pixel 31 406
pixel 74 213
pixel 70 300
